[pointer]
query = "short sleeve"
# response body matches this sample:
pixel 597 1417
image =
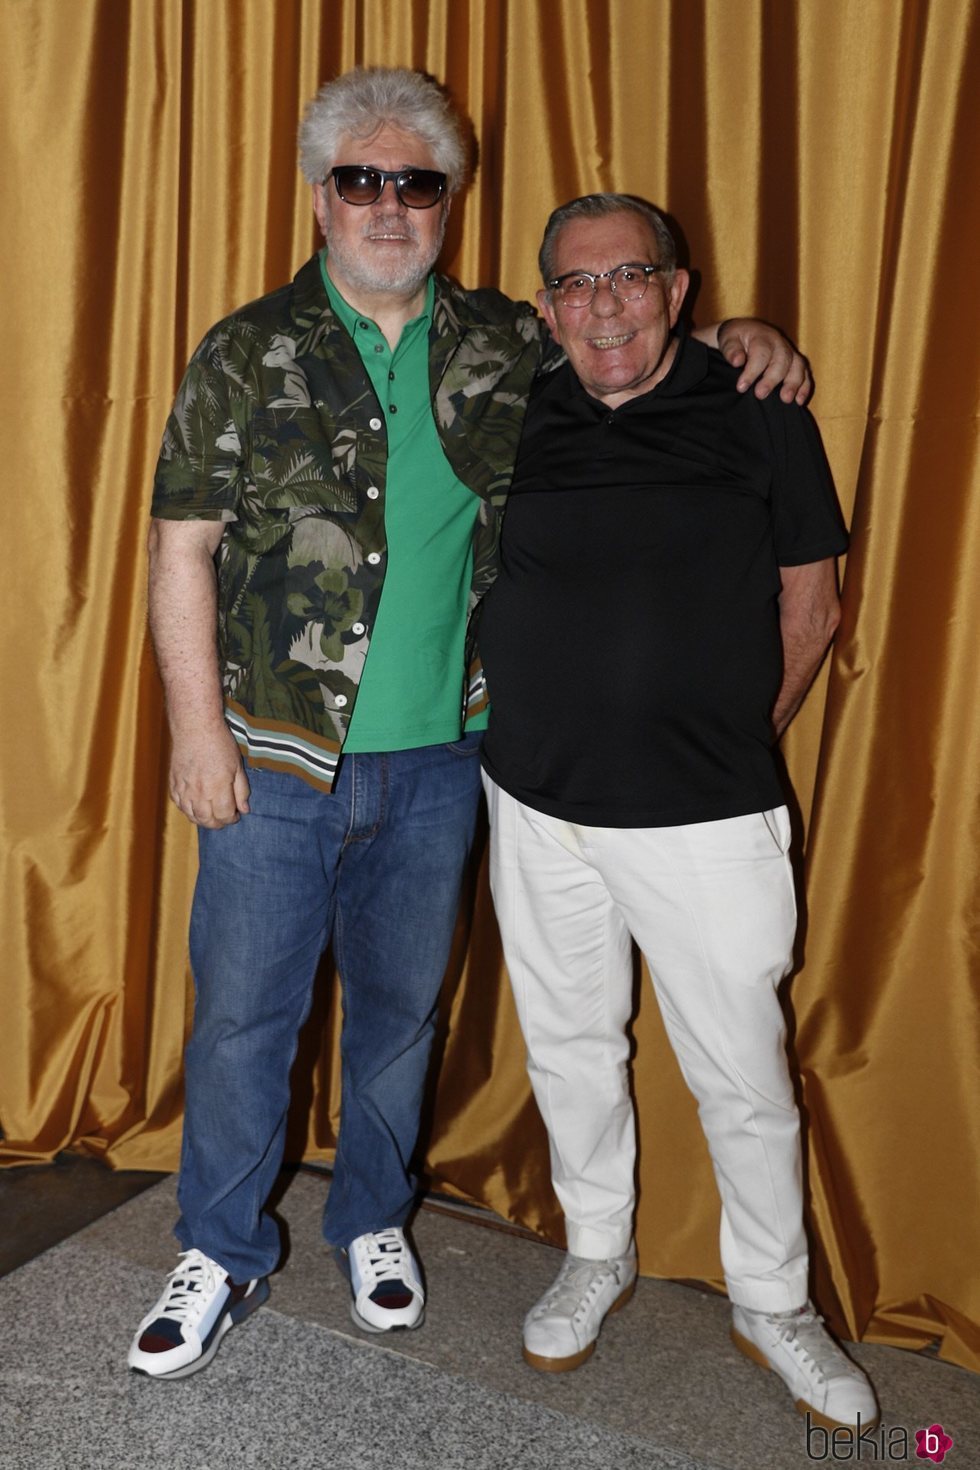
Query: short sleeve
pixel 199 471
pixel 807 521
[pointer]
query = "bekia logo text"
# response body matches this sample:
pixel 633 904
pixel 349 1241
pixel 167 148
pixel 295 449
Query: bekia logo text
pixel 932 1444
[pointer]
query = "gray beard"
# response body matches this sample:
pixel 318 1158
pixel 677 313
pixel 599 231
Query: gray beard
pixel 400 276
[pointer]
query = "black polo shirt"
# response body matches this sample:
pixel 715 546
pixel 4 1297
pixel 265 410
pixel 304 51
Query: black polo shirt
pixel 631 640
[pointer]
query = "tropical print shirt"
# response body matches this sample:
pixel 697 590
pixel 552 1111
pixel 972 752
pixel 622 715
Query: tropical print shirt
pixel 277 432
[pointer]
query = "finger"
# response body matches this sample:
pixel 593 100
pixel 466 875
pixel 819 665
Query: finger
pixel 793 378
pixel 204 811
pixel 806 387
pixel 197 809
pixel 183 804
pixel 241 790
pixel 769 368
pixel 210 816
pixel 223 809
pixel 775 374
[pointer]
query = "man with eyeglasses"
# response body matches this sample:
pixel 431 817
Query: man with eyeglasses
pixel 325 521
pixel 667 591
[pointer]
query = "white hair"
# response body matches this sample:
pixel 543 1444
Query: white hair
pixel 363 100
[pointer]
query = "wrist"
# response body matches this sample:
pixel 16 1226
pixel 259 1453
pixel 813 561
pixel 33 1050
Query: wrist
pixel 199 728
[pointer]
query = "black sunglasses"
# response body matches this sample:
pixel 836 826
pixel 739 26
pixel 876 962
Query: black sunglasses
pixel 416 188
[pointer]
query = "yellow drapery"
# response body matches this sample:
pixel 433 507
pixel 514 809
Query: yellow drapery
pixel 820 156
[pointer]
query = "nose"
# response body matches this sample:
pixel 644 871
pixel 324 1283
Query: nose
pixel 605 302
pixel 388 198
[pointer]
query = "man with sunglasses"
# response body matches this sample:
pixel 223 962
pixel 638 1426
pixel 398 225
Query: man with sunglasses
pixel 325 521
pixel 666 593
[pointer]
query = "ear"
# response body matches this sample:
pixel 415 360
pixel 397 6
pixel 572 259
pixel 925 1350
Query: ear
pixel 548 312
pixel 675 297
pixel 321 208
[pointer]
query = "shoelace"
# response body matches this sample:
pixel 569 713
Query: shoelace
pixel 386 1251
pixel 577 1281
pixel 192 1283
pixel 805 1334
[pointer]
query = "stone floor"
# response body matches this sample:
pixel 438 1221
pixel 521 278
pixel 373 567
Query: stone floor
pixel 664 1389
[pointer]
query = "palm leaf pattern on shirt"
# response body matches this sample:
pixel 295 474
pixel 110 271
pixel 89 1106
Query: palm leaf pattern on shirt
pixel 271 432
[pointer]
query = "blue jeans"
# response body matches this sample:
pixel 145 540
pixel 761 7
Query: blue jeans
pixel 377 866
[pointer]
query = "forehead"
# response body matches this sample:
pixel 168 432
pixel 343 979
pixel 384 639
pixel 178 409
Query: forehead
pixel 597 244
pixel 387 147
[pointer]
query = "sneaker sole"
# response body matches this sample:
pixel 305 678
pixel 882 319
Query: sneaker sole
pixel 367 1326
pixel 575 1360
pixel 239 1312
pixel 801 1406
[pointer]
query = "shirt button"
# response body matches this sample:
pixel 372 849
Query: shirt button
pixel 340 701
pixel 373 492
pixel 374 423
pixel 357 628
pixel 392 408
pixel 391 377
pixel 378 347
pixel 374 557
pixel 363 326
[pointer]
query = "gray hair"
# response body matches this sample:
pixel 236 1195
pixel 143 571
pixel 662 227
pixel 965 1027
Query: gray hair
pixel 363 100
pixel 594 206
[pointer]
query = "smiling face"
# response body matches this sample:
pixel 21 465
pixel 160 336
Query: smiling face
pixel 618 349
pixel 381 248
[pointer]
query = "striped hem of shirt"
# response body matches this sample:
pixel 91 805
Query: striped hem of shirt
pixel 276 746
pixel 476 694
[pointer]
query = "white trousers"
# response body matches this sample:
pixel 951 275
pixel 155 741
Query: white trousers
pixel 713 909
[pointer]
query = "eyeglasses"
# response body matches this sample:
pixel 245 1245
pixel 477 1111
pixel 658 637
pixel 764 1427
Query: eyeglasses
pixel 416 188
pixel 626 282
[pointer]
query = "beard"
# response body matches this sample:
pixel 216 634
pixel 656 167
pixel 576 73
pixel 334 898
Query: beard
pixel 400 268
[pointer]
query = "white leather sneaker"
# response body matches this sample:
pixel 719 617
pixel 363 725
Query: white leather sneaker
pixel 200 1303
pixel 384 1278
pixel 560 1330
pixel 822 1379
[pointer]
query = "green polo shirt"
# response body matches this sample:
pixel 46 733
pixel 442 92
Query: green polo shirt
pixel 411 689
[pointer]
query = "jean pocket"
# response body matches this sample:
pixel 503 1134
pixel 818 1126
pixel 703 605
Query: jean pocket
pixel 469 745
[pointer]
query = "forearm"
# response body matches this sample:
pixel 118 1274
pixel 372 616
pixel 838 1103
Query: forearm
pixel 183 625
pixel 707 335
pixel 809 612
pixel 207 779
pixel 802 657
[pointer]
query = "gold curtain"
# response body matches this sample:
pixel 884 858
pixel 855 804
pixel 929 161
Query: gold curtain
pixel 821 158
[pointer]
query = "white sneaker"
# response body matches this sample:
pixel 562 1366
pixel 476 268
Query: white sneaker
pixel 385 1279
pixel 560 1330
pixel 200 1303
pixel 822 1379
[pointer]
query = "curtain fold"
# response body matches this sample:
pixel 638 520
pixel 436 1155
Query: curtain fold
pixel 819 157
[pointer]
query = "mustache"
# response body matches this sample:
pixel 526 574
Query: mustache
pixel 393 224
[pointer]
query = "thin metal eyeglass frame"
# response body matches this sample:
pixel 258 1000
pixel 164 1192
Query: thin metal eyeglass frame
pixel 595 277
pixel 387 176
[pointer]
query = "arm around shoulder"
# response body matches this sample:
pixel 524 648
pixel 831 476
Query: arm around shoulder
pixel 766 356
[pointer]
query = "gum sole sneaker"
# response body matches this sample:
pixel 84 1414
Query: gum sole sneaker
pixel 183 1331
pixel 821 1377
pixel 385 1280
pixel 560 1331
